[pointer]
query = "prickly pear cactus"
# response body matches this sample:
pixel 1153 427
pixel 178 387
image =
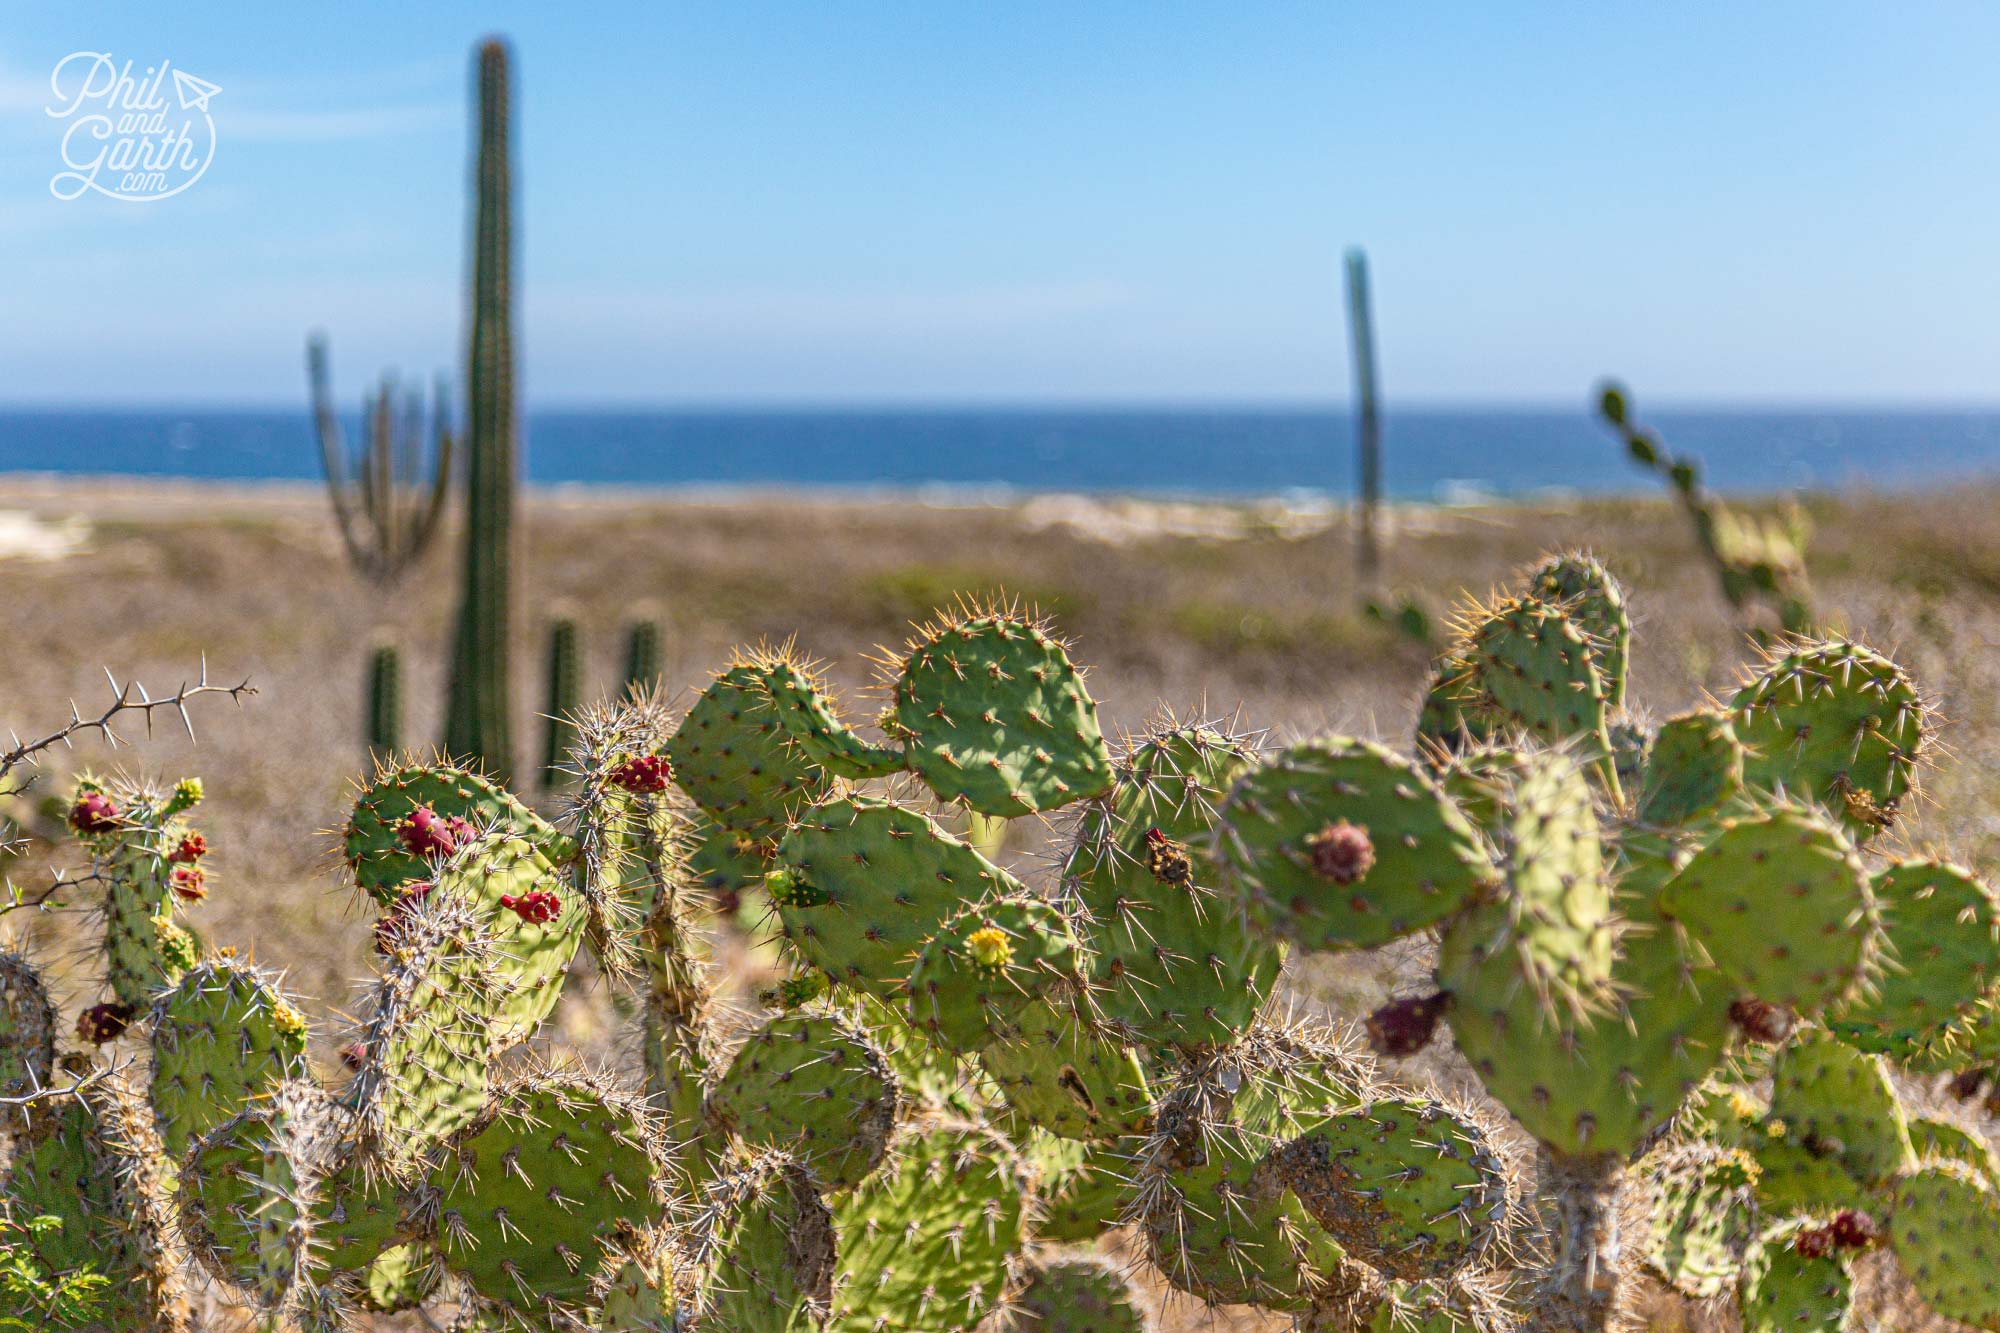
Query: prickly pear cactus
pixel 1055 1072
pixel 988 964
pixel 1340 844
pixel 223 1036
pixel 1834 1097
pixel 410 817
pixel 528 1194
pixel 1941 942
pixel 861 884
pixel 1787 1287
pixel 1082 1185
pixel 734 759
pixel 807 712
pixel 990 712
pixel 402 1277
pixel 1942 1228
pixel 149 862
pixel 1540 670
pixel 762 1246
pixel 925 1245
pixel 815 1085
pixel 1782 904
pixel 1838 724
pixel 1585 590
pixel 1701 1217
pixel 1175 963
pixel 27 1038
pixel 1694 767
pixel 1076 1293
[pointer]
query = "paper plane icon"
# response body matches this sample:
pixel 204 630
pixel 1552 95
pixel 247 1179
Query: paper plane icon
pixel 194 93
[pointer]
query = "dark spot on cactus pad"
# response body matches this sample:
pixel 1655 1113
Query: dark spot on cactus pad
pixel 104 1022
pixel 537 906
pixel 94 812
pixel 645 773
pixel 1760 1020
pixel 1166 860
pixel 1341 852
pixel 1404 1027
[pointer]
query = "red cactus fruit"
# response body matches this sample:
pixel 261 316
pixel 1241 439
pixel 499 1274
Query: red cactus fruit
pixel 537 906
pixel 1341 852
pixel 432 836
pixel 1404 1027
pixel 390 923
pixel 191 849
pixel 354 1055
pixel 1760 1020
pixel 1167 860
pixel 104 1022
pixel 644 773
pixel 1813 1242
pixel 94 812
pixel 190 883
pixel 1852 1229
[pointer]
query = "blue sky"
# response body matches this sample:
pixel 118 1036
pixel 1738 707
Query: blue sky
pixel 1041 201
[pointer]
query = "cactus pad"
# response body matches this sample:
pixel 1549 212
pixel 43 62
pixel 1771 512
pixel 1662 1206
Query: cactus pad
pixel 1592 598
pixel 1834 1098
pixel 1942 946
pixel 988 964
pixel 1175 963
pixel 387 852
pixel 402 1277
pixel 1782 905
pixel 1785 1291
pixel 1057 1074
pixel 763 1245
pixel 925 1245
pixel 734 759
pixel 1083 1185
pixel 1339 844
pixel 1538 668
pixel 991 713
pixel 1694 766
pixel 861 884
pixel 798 694
pixel 27 1037
pixel 1943 1229
pixel 814 1085
pixel 1076 1293
pixel 223 1036
pixel 1837 724
pixel 1701 1221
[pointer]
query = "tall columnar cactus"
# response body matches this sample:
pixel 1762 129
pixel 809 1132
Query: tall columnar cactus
pixel 1367 409
pixel 644 659
pixel 385 700
pixel 480 696
pixel 564 697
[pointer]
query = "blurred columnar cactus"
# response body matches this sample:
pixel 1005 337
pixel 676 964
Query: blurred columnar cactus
pixel 1690 962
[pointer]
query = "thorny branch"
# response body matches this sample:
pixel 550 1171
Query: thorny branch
pixel 128 700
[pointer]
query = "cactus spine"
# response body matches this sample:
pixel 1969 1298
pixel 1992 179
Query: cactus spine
pixel 476 708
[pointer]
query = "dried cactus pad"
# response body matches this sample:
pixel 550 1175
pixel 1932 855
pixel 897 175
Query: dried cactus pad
pixel 814 1085
pixel 1175 963
pixel 386 855
pixel 1784 1291
pixel 1407 1185
pixel 223 1036
pixel 1076 1293
pixel 1056 1073
pixel 1340 844
pixel 529 1194
pixel 925 1246
pixel 1834 1099
pixel 27 1037
pixel 1943 1227
pixel 734 759
pixel 1942 945
pixel 1782 905
pixel 992 713
pixel 1694 766
pixel 862 883
pixel 1837 724
pixel 763 1244
pixel 989 963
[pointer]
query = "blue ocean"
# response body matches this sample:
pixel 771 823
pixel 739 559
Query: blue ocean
pixel 1429 454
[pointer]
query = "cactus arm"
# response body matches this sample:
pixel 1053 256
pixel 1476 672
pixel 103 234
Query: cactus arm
pixel 333 453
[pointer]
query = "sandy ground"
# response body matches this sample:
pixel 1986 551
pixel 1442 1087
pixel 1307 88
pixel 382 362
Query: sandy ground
pixel 1246 611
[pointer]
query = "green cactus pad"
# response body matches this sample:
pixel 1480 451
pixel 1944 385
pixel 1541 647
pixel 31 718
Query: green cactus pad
pixel 1410 1186
pixel 530 958
pixel 402 1277
pixel 1829 1094
pixel 1837 724
pixel 1592 598
pixel 374 846
pixel 1076 1293
pixel 991 713
pixel 725 865
pixel 798 694
pixel 763 1245
pixel 1941 956
pixel 531 1191
pixel 814 1085
pixel 1694 767
pixel 223 1036
pixel 1701 1219
pixel 1540 670
pixel 1933 1136
pixel 1340 844
pixel 1480 781
pixel 143 948
pixel 646 1286
pixel 249 1195
pixel 1213 1221
pixel 1945 1226
pixel 862 883
pixel 734 759
pixel 1604 1082
pixel 988 964
pixel 27 1038
pixel 1781 903
pixel 1784 1291
pixel 1800 1175
pixel 1083 1186
pixel 1175 963
pixel 1453 716
pixel 358 1219
pixel 1055 1073
pixel 426 1043
pixel 925 1246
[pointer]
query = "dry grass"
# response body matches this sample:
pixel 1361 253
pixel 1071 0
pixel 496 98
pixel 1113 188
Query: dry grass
pixel 1263 620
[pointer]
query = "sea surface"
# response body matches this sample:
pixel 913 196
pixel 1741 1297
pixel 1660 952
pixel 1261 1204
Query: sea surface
pixel 1429 455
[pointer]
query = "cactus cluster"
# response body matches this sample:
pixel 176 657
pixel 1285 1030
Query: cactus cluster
pixel 1685 959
